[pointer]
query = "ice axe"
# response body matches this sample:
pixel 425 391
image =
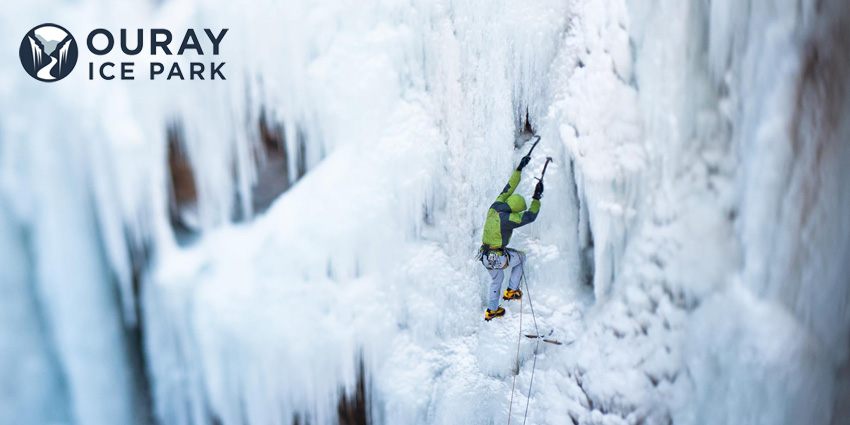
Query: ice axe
pixel 538 190
pixel 548 160
pixel 533 146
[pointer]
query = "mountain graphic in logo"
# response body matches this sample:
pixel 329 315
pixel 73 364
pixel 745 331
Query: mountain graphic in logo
pixel 48 52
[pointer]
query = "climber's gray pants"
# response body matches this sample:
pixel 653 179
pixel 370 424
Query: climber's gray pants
pixel 515 260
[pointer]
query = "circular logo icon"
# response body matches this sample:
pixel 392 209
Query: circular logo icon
pixel 48 52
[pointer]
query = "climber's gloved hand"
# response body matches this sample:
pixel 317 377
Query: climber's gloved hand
pixel 523 162
pixel 538 191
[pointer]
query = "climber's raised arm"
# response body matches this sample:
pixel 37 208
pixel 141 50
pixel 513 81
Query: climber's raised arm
pixel 514 180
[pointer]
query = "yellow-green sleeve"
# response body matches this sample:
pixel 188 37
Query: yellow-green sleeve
pixel 511 187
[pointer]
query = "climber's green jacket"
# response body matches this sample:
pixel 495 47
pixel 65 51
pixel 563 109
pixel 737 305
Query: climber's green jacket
pixel 506 214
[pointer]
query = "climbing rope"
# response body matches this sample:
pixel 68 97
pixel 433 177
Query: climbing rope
pixel 516 368
pixel 519 339
pixel 537 344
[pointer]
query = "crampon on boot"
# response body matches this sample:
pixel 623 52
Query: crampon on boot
pixel 511 294
pixel 490 314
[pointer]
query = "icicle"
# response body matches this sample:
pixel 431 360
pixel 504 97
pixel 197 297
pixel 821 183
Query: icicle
pixel 36 54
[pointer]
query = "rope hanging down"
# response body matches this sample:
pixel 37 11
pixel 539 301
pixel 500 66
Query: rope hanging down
pixel 519 339
pixel 516 368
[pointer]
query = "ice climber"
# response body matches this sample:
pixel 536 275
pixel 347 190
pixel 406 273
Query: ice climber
pixel 506 214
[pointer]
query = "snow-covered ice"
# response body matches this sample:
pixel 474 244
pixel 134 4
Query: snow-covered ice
pixel 691 247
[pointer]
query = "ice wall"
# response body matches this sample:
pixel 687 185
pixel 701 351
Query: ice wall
pixel 691 241
pixel 787 134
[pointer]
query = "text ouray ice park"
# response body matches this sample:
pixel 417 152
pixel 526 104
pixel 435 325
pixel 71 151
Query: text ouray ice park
pixel 158 42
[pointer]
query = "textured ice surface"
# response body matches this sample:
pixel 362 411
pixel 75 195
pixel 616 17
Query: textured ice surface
pixel 692 241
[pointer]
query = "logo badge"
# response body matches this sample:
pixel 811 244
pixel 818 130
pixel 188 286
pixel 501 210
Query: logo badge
pixel 48 52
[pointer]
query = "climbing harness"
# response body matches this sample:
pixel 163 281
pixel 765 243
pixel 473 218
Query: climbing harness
pixel 494 258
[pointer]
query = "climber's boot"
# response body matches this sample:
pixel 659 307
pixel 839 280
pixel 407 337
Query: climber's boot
pixel 490 314
pixel 511 294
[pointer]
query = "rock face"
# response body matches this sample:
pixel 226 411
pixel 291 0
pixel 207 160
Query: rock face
pixel 183 192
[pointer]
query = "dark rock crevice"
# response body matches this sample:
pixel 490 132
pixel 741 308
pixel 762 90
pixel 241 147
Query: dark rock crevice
pixel 272 165
pixel 182 190
pixel 354 409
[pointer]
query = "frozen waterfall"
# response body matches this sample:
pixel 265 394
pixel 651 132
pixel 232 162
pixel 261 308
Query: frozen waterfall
pixel 296 244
